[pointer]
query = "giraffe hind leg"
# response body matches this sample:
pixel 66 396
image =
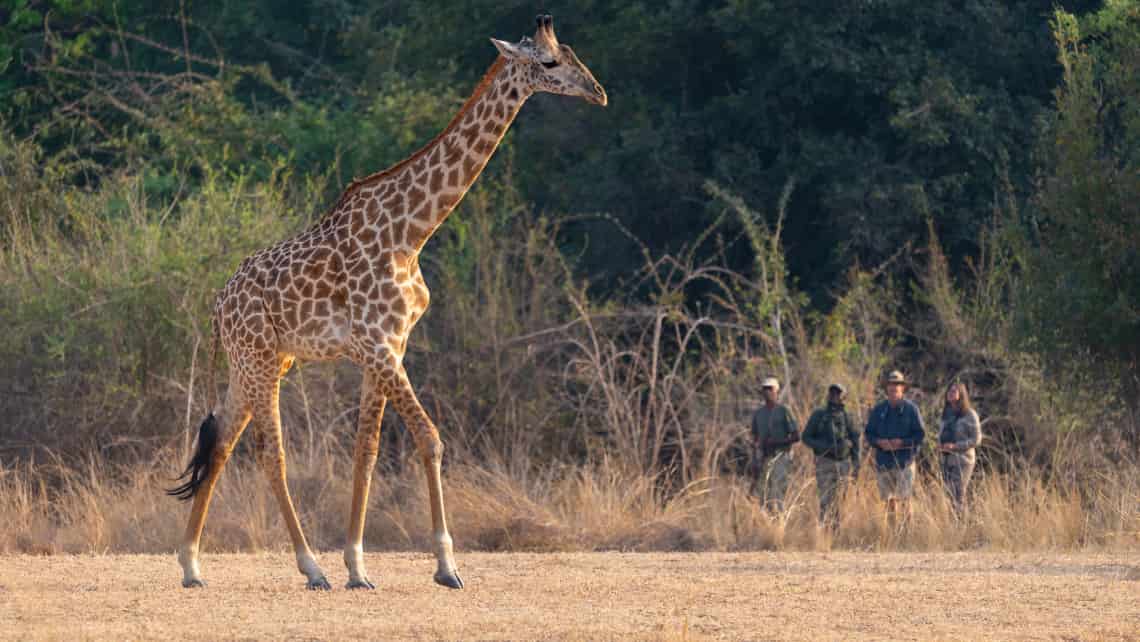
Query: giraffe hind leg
pixel 271 457
pixel 227 427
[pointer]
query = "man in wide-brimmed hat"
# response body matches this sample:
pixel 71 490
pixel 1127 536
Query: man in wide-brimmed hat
pixel 832 435
pixel 895 431
pixel 774 430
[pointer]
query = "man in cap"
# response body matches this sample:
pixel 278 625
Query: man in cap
pixel 774 430
pixel 895 431
pixel 831 433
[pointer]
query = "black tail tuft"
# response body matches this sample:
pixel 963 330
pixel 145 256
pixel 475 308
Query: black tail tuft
pixel 199 466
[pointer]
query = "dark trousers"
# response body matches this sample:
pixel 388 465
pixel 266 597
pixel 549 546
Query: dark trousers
pixel 956 479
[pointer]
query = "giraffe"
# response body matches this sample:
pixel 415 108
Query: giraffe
pixel 350 287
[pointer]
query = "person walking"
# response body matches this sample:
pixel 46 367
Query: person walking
pixel 833 437
pixel 895 431
pixel 774 430
pixel 959 435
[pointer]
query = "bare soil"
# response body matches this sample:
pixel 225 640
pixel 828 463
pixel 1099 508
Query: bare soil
pixel 584 596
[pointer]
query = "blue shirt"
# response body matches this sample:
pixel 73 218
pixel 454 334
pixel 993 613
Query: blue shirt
pixel 903 421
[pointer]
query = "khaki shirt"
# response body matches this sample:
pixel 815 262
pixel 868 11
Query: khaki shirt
pixel 777 424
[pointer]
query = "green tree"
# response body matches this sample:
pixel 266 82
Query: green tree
pixel 1083 286
pixel 887 112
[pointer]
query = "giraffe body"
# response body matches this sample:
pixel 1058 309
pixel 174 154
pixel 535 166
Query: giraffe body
pixel 351 287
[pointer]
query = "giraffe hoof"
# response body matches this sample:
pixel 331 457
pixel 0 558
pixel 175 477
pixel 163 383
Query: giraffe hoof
pixel 194 583
pixel 450 580
pixel 319 584
pixel 360 584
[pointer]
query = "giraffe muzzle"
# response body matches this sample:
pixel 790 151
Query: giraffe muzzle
pixel 599 96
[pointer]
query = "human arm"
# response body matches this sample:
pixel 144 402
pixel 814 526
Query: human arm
pixel 853 437
pixel 871 432
pixel 917 432
pixel 811 437
pixel 791 426
pixel 973 432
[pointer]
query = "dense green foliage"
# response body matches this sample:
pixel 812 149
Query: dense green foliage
pixel 887 113
pixel 147 147
pixel 1084 268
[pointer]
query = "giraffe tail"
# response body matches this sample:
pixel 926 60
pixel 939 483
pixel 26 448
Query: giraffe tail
pixel 199 467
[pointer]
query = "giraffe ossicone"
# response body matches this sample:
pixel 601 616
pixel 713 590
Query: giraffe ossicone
pixel 350 287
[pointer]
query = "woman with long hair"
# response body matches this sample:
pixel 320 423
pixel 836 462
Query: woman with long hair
pixel 959 437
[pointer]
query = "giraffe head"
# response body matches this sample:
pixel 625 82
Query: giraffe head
pixel 552 66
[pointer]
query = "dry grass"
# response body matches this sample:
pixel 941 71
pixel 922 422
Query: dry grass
pixel 122 510
pixel 585 596
pixel 570 423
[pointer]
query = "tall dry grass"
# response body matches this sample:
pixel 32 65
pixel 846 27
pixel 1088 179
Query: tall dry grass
pixel 575 416
pixel 572 508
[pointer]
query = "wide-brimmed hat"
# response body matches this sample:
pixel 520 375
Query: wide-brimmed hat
pixel 895 377
pixel 838 387
pixel 770 382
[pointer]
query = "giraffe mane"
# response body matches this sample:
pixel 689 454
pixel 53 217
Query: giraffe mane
pixel 358 183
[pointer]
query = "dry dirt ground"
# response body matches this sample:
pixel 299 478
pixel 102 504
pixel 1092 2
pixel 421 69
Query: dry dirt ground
pixel 585 596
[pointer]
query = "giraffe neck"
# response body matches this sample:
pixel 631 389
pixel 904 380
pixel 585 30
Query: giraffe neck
pixel 414 197
pixel 464 148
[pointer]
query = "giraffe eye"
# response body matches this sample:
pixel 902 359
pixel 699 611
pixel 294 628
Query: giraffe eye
pixel 550 65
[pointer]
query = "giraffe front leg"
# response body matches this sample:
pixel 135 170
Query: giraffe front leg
pixel 372 402
pixel 430 449
pixel 447 574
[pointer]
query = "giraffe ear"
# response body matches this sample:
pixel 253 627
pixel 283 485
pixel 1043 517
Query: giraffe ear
pixel 507 49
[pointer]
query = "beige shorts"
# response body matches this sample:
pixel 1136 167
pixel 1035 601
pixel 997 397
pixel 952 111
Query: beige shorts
pixel 896 482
